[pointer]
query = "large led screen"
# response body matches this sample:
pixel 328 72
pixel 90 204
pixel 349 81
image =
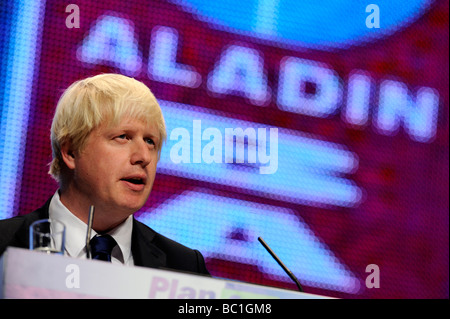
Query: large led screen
pixel 322 127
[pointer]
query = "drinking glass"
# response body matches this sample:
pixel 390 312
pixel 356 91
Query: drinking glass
pixel 48 235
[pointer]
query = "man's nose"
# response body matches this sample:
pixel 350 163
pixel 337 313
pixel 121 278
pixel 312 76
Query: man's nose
pixel 141 154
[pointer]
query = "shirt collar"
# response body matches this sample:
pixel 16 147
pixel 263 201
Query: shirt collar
pixel 75 244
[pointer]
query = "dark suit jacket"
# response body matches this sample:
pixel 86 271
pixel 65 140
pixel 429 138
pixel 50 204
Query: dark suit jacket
pixel 149 248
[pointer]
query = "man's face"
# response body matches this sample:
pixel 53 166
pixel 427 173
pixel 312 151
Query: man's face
pixel 116 168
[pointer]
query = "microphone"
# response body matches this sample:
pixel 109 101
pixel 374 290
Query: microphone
pixel 286 270
pixel 89 230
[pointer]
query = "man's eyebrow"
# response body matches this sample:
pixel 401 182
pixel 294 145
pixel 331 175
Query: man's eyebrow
pixel 153 135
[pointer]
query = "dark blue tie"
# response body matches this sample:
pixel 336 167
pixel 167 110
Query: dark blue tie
pixel 102 246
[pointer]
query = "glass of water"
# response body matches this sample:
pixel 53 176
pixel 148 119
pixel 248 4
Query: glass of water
pixel 48 235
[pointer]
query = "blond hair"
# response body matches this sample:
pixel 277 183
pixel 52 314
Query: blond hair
pixel 95 100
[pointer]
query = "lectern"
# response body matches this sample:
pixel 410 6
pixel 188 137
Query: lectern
pixel 31 274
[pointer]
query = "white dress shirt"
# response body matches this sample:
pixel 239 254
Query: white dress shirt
pixel 75 243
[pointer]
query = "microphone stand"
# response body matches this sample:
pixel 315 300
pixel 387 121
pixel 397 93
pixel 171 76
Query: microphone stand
pixel 88 233
pixel 286 270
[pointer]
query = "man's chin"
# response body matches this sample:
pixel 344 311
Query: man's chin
pixel 132 205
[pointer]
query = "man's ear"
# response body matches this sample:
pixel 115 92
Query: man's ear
pixel 67 155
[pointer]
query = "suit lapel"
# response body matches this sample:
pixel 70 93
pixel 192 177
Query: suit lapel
pixel 22 237
pixel 145 253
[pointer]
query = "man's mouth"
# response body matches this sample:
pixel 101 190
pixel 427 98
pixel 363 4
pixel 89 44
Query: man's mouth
pixel 136 181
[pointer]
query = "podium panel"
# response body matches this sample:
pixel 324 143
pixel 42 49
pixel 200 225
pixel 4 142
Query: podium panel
pixel 31 274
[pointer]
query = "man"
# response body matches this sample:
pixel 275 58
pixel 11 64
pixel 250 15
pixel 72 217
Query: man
pixel 106 138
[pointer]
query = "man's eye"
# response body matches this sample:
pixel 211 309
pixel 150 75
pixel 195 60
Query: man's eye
pixel 122 137
pixel 150 141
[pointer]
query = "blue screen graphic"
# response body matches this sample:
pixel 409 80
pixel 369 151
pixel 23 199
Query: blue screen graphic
pixel 330 23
